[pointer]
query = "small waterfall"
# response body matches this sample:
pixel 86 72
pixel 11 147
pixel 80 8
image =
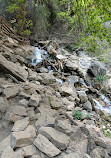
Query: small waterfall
pixel 38 56
pixel 102 108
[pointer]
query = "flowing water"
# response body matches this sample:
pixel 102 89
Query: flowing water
pixel 39 56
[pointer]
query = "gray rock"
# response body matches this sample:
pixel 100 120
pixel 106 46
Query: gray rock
pixel 45 121
pixel 79 142
pixel 99 153
pixel 7 153
pixel 68 89
pixel 44 145
pixel 96 69
pixel 87 106
pixel 35 156
pixel 21 139
pixel 11 91
pixel 18 110
pixel 20 125
pixel 23 102
pixel 31 129
pixel 15 70
pixel 59 139
pixel 34 100
pixel 51 50
pixel 29 150
pixel 5 143
pixel 76 155
pixel 64 126
pixel 83 97
pixel 3 104
pixel 12 117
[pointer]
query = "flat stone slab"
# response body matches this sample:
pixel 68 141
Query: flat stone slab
pixel 59 139
pixel 44 145
pixel 13 69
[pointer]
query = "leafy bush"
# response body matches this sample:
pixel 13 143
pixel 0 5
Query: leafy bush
pixel 101 78
pixel 77 115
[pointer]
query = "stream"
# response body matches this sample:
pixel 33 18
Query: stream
pixel 40 55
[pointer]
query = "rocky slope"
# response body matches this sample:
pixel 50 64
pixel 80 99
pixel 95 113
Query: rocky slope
pixel 51 109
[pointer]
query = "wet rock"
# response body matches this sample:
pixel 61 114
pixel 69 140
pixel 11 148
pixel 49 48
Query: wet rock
pixel 20 125
pixel 51 50
pixel 21 139
pixel 59 139
pixel 3 104
pixel 71 66
pixel 87 106
pixel 99 153
pixel 83 97
pixel 44 145
pixel 11 91
pixel 34 100
pixel 96 69
pixel 13 69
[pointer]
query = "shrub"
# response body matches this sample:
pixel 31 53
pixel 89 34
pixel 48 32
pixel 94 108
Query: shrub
pixel 77 115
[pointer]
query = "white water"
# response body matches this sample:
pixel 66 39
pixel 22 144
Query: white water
pixel 99 106
pixel 38 56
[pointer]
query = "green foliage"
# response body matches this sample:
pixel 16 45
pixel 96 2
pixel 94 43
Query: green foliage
pixel 87 23
pixel 20 23
pixel 77 115
pixel 101 78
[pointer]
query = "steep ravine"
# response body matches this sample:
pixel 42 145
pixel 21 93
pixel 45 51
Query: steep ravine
pixel 50 105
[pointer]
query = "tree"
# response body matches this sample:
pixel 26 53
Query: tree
pixel 18 8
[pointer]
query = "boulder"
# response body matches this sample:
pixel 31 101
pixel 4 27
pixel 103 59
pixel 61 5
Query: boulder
pixel 99 153
pixel 20 125
pixel 7 153
pixel 59 139
pixel 44 145
pixel 45 121
pixel 21 139
pixel 29 150
pixel 12 117
pixel 13 69
pixel 18 110
pixel 87 106
pixel 34 100
pixel 68 89
pixel 3 104
pixel 11 91
pixel 76 155
pixel 64 126
pixel 83 97
pixel 96 69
